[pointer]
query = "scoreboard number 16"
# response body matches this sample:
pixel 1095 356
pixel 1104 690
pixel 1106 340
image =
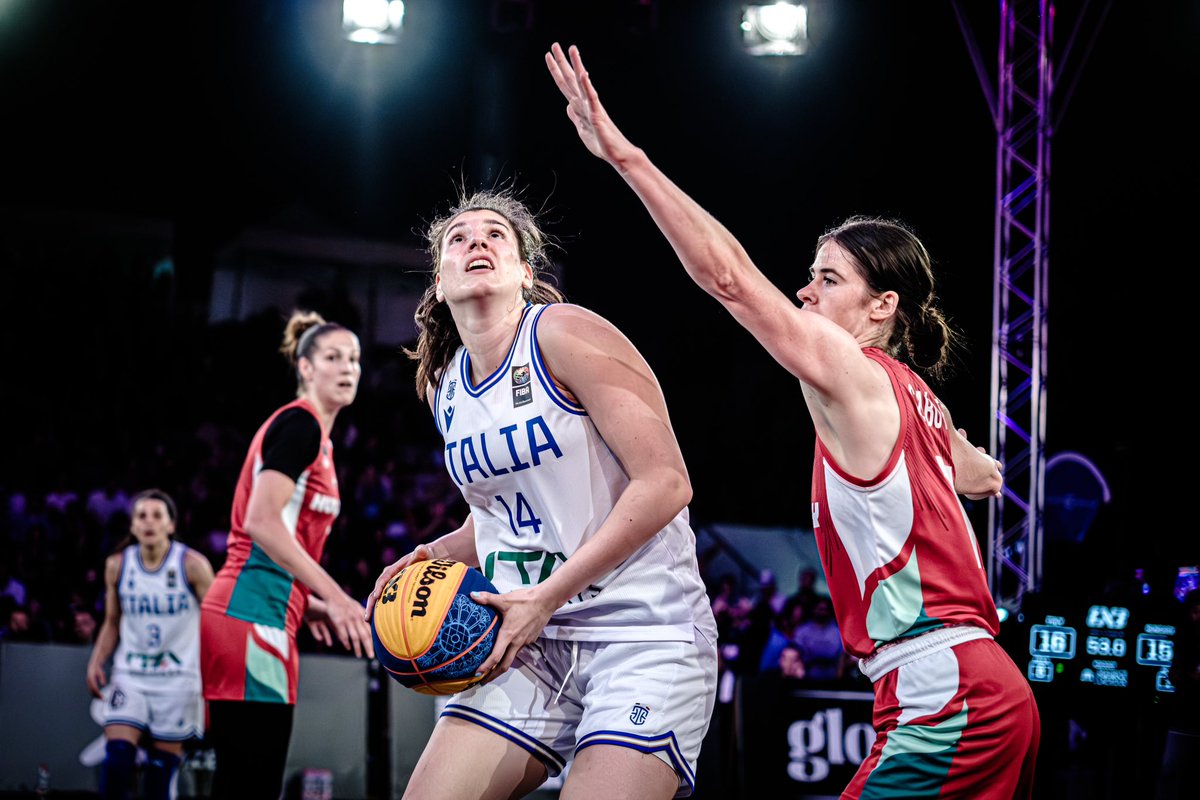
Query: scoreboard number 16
pixel 1052 641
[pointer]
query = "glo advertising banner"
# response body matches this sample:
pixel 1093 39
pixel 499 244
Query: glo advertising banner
pixel 802 744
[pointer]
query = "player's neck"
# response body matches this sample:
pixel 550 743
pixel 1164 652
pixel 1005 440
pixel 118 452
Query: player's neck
pixel 488 332
pixel 326 414
pixel 153 554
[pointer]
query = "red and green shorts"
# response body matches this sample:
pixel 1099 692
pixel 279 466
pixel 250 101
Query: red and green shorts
pixel 246 661
pixel 959 722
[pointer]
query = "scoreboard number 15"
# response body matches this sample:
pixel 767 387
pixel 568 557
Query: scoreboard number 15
pixel 1155 651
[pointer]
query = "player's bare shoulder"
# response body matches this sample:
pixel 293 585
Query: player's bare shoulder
pixel 567 330
pixel 112 566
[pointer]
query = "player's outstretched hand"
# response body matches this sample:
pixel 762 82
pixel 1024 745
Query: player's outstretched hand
pixel 422 552
pixel 597 130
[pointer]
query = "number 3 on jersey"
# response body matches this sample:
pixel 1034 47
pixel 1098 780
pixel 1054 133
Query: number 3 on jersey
pixel 526 518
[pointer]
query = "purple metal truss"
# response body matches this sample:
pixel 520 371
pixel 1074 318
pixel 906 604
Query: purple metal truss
pixel 1020 109
pixel 1021 112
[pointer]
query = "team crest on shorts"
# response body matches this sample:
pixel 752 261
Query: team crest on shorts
pixel 521 388
pixel 639 713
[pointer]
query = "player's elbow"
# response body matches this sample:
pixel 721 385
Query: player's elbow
pixel 674 490
pixel 718 269
pixel 257 527
pixel 725 283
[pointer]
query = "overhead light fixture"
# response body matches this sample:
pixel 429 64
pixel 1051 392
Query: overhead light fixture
pixel 372 21
pixel 778 29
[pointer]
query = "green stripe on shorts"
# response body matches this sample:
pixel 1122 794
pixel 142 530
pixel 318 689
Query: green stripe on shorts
pixel 916 760
pixel 266 675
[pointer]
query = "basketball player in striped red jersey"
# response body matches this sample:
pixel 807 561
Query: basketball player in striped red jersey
pixel 153 589
pixel 954 716
pixel 284 507
pixel 557 434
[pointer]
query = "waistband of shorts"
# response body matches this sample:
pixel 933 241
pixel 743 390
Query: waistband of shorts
pixel 894 655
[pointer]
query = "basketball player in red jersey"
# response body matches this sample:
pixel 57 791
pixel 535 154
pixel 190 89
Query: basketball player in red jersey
pixel 954 716
pixel 283 508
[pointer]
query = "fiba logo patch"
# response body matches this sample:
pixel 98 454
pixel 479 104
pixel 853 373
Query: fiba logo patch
pixel 639 713
pixel 521 389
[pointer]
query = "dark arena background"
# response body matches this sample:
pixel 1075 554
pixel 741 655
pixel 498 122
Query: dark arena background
pixel 178 176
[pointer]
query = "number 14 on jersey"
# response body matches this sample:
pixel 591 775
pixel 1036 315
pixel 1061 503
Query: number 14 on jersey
pixel 521 516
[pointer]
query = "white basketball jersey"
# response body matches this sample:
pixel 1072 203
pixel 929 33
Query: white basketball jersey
pixel 540 481
pixel 159 646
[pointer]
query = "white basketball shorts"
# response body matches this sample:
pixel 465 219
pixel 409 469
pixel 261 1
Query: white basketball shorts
pixel 168 716
pixel 654 697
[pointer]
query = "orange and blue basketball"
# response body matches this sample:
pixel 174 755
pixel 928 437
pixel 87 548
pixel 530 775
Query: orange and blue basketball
pixel 429 634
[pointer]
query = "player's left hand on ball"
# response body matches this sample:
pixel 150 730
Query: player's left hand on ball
pixel 525 613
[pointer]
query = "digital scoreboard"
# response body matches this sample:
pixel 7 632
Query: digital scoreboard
pixel 1106 646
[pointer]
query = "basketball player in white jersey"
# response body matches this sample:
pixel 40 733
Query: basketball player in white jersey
pixel 557 434
pixel 153 589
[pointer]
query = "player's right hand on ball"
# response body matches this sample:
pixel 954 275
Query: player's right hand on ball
pixel 423 552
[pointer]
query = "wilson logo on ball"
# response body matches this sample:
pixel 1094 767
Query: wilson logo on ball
pixel 429 634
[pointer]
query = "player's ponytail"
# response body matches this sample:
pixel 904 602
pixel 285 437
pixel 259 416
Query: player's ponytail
pixel 300 337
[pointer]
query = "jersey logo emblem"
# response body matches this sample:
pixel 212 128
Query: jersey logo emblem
pixel 171 578
pixel 449 412
pixel 450 389
pixel 521 388
pixel 639 713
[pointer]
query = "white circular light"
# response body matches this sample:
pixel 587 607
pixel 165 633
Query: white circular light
pixel 780 22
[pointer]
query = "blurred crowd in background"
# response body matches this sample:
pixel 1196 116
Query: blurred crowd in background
pixel 393 498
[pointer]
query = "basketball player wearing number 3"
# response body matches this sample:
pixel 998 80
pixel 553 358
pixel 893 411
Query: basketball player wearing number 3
pixel 558 436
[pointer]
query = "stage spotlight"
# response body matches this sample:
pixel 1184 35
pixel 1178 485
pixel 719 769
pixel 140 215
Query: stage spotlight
pixel 779 29
pixel 372 21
